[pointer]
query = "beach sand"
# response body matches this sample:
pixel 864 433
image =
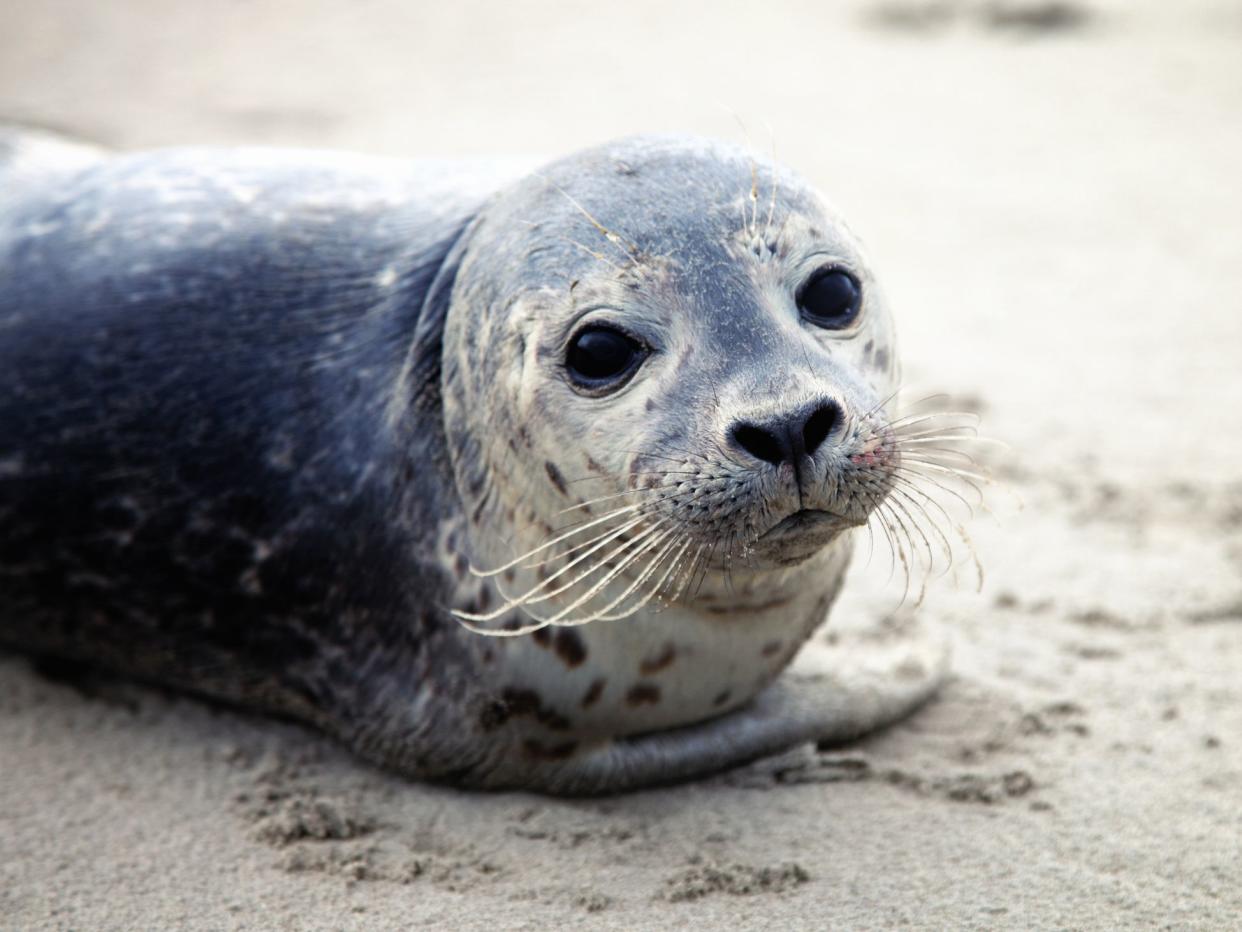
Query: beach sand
pixel 1052 195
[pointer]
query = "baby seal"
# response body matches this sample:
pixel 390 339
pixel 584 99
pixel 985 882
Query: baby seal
pixel 508 482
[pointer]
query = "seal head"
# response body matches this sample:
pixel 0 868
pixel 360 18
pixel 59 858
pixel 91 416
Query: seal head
pixel 665 377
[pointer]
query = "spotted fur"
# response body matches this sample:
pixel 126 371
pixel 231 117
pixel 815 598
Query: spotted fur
pixel 268 415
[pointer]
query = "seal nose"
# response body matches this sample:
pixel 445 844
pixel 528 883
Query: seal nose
pixel 787 438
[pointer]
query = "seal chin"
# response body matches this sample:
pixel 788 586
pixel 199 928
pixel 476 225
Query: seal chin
pixel 801 535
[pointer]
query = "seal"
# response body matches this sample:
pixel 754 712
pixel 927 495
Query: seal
pixel 503 480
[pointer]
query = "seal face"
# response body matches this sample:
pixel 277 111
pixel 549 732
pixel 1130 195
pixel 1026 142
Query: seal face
pixel 694 375
pixel 497 488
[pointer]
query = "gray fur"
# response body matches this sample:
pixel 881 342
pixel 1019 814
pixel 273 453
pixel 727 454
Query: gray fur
pixel 263 411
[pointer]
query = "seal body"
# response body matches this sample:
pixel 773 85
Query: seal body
pixel 298 431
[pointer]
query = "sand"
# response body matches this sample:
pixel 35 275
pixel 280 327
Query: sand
pixel 1052 195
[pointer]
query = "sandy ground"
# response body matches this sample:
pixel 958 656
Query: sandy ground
pixel 1056 205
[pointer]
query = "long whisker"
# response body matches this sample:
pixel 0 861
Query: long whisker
pixel 532 595
pixel 554 541
pixel 607 498
pixel 684 575
pixel 916 509
pixel 963 474
pixel 903 425
pixel 910 476
pixel 629 250
pixel 606 614
pixel 587 249
pixel 594 590
pixel 767 226
pixel 605 537
pixel 948 452
pixel 647 547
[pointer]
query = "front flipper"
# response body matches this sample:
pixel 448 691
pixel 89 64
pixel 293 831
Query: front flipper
pixel 830 695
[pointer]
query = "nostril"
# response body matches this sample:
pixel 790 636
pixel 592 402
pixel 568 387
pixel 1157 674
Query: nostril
pixel 760 443
pixel 819 425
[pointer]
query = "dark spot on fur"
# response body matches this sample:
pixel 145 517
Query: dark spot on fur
pixel 643 694
pixel 881 358
pixel 521 702
pixel 526 703
pixel 485 599
pixel 542 637
pixel 593 693
pixel 658 662
pixel 569 647
pixel 553 720
pixel 650 405
pixel 510 575
pixel 460 565
pixel 523 435
pixel 770 648
pixel 722 698
pixel 555 475
pixel 476 517
pixel 539 750
pixel 593 466
pixel 494 714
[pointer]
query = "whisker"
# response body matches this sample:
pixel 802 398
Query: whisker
pixel 606 498
pixel 903 424
pixel 963 474
pixel 530 596
pixel 925 448
pixel 598 615
pixel 556 540
pixel 557 619
pixel 917 509
pixel 587 249
pixel 629 250
pixel 878 517
pixel 915 526
pixel 923 401
pixel 605 537
pixel 867 415
pixel 910 475
pixel 971 438
pixel 608 615
pixel 686 574
pixel 890 519
pixel 909 488
pixel 590 571
pixel 767 226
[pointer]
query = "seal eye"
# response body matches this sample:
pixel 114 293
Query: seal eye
pixel 600 357
pixel 831 299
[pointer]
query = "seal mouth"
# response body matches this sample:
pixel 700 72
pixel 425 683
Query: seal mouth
pixel 804 521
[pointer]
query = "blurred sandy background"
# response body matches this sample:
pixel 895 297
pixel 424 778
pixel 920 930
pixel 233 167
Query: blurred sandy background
pixel 1053 196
